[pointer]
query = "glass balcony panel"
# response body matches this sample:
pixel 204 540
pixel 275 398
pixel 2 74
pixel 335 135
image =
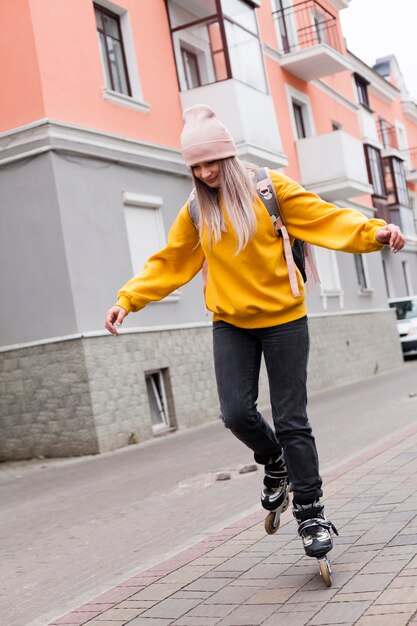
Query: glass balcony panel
pixel 245 57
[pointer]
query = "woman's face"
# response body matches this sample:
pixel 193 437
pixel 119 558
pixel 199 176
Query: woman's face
pixel 208 172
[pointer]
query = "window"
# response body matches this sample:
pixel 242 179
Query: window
pixel 222 36
pixel 192 73
pixel 362 90
pixel 386 278
pixel 112 50
pixel 361 272
pixel 375 170
pixel 299 120
pixel 400 182
pixel 159 393
pixel 407 279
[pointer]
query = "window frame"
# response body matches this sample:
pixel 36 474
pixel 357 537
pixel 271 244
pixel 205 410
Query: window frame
pixel 398 176
pixel 104 11
pixel 362 91
pixel 299 121
pixel 378 192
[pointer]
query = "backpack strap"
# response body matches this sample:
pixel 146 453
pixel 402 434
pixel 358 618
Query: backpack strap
pixel 193 209
pixel 266 191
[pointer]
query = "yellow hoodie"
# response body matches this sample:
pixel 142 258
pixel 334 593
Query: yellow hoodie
pixel 252 289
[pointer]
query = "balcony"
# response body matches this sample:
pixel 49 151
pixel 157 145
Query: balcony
pixel 248 114
pixel 333 166
pixel 311 42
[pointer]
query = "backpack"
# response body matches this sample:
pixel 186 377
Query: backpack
pixel 298 255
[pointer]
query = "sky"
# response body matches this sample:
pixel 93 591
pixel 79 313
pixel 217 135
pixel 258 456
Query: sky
pixel 377 28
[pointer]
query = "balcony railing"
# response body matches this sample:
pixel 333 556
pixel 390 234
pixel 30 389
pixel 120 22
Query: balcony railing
pixel 307 24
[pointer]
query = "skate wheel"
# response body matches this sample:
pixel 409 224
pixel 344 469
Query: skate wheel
pixel 272 523
pixel 325 571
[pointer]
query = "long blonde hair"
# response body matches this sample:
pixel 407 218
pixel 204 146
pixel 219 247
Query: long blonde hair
pixel 237 188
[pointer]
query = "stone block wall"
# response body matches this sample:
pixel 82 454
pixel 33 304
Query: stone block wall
pixel 88 395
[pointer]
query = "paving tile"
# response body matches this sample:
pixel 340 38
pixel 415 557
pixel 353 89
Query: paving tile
pixel 248 615
pixel 157 591
pixel 404 581
pixel 171 608
pixel 401 540
pixel 250 582
pixel 212 610
pixel 121 615
pixel 357 597
pixel 197 621
pixel 405 595
pixel 190 595
pixel 304 597
pixel 265 570
pixel 289 619
pixel 368 582
pixel 394 619
pixel 207 584
pixel 340 613
pixel 384 566
pixel 136 604
pixel 144 621
pixel 290 580
pixel 232 595
pixel 386 609
pixel 272 596
pixel 239 563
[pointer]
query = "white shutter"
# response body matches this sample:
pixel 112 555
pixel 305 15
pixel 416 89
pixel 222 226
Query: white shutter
pixel 328 269
pixel 144 226
pixel 145 233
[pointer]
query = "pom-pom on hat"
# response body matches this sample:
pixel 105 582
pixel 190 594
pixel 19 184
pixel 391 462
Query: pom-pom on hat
pixel 204 138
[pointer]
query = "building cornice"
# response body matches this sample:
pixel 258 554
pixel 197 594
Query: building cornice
pixel 48 135
pixel 339 4
pixel 378 85
pixel 409 109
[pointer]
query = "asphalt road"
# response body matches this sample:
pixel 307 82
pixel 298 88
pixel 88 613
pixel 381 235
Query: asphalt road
pixel 70 529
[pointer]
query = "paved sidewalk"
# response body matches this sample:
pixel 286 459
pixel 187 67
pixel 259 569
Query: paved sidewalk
pixel 242 577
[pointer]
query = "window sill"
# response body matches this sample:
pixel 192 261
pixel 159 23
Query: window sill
pixel 366 292
pixel 331 293
pixel 126 101
pixel 174 297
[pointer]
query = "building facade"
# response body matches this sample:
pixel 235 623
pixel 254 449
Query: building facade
pixel 91 179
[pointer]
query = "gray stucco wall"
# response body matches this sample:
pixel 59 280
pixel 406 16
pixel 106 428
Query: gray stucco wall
pixel 34 279
pixel 88 395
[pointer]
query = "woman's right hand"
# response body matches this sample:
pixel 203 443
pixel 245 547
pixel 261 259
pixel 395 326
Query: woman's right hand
pixel 114 317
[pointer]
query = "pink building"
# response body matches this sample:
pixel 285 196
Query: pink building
pixel 92 178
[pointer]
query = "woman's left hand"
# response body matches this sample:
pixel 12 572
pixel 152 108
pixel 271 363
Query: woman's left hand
pixel 392 235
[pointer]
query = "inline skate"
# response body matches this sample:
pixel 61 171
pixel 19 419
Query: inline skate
pixel 274 496
pixel 315 532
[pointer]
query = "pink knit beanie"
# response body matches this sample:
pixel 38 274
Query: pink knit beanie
pixel 204 138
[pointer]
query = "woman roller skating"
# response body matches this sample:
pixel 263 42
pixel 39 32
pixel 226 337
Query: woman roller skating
pixel 256 294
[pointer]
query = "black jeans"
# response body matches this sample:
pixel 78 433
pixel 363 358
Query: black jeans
pixel 237 359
